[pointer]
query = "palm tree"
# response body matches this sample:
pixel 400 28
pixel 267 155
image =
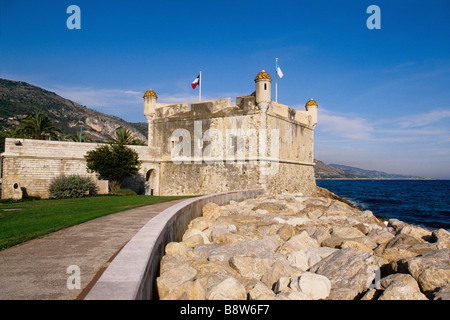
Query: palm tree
pixel 75 137
pixel 125 137
pixel 8 133
pixel 38 125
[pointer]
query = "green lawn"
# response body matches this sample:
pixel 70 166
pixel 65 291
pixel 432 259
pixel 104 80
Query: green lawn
pixel 23 221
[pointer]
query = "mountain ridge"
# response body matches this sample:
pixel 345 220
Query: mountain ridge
pixel 371 174
pixel 339 171
pixel 18 99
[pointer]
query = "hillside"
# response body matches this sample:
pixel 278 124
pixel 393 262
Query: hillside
pixel 372 174
pixel 323 171
pixel 17 99
pixel 339 171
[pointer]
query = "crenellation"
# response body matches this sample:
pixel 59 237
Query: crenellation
pixel 209 107
pixel 170 110
pixel 247 103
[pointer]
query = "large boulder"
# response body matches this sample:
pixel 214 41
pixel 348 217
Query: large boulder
pixel 211 211
pixel 251 266
pixel 401 246
pixel 306 258
pixel 400 287
pixel 173 278
pixel 313 285
pixel 346 232
pixel 416 232
pixel 431 270
pixel 380 236
pixel 339 208
pixel 281 268
pixel 188 290
pixel 261 292
pixel 228 289
pixel 223 252
pixel 271 206
pixel 441 237
pixel 298 242
pixel 442 293
pixel 351 272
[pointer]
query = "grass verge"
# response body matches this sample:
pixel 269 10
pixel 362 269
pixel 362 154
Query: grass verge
pixel 23 221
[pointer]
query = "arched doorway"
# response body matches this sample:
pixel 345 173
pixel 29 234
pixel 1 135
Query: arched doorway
pixel 150 182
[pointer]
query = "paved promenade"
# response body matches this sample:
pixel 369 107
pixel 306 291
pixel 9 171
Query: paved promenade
pixel 37 270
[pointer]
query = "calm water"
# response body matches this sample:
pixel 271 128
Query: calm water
pixel 424 203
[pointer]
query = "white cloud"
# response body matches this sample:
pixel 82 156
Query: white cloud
pixel 93 97
pixel 423 119
pixel 179 98
pixel 344 126
pixel 127 104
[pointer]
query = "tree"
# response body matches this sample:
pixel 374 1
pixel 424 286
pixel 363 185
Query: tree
pixel 8 133
pixel 38 125
pixel 75 137
pixel 114 162
pixel 125 137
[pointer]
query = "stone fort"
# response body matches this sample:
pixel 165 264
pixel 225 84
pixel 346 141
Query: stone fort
pixel 208 147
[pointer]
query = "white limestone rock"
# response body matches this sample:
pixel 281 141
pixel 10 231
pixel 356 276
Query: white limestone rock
pixel 228 289
pixel 313 285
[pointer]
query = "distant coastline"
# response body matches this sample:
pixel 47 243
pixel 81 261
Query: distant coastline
pixel 380 179
pixel 339 171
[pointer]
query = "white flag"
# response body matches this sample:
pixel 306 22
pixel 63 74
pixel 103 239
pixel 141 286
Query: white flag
pixel 279 72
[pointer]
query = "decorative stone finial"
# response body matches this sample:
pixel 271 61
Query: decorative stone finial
pixel 150 93
pixel 311 103
pixel 263 75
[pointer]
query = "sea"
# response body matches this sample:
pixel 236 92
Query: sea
pixel 424 203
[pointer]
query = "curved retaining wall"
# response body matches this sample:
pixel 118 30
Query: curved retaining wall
pixel 132 274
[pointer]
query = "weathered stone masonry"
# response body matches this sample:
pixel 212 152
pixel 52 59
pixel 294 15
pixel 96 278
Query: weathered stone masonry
pixel 33 163
pixel 210 146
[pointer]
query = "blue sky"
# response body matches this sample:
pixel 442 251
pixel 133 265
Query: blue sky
pixel 383 94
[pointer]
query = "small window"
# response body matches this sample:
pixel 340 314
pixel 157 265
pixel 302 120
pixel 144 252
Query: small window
pixel 265 86
pixel 173 140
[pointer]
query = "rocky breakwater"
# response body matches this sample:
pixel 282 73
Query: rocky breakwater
pixel 299 247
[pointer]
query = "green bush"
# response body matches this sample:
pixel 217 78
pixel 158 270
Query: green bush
pixel 73 186
pixel 114 162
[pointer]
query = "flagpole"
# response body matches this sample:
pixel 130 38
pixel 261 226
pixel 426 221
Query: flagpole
pixel 276 80
pixel 200 88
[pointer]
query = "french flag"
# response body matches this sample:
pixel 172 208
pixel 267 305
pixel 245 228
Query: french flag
pixel 195 83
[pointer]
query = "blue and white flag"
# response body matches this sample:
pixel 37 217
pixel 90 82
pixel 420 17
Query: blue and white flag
pixel 279 72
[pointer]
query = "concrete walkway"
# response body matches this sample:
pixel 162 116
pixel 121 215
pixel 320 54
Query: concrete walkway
pixel 37 270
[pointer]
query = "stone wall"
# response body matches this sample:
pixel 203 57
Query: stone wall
pixel 33 163
pixel 291 178
pixel 202 179
pixel 295 141
pixel 215 147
